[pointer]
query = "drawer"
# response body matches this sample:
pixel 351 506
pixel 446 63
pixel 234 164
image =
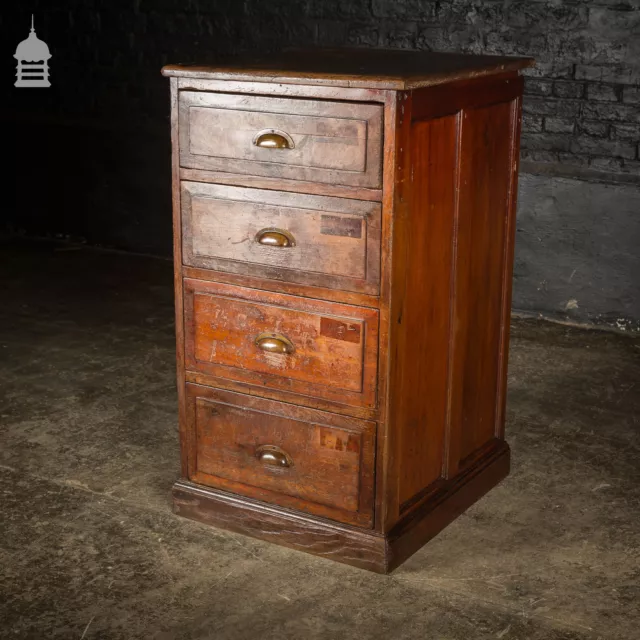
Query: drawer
pixel 315 240
pixel 305 459
pixel 311 347
pixel 296 139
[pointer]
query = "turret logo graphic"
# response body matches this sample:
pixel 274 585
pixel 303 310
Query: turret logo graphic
pixel 33 68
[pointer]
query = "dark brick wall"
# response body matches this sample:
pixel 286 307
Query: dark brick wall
pixel 91 154
pixel 583 100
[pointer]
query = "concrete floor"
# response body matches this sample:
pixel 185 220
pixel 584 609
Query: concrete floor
pixel 89 547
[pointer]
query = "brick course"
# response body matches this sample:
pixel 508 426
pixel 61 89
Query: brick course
pixel 582 101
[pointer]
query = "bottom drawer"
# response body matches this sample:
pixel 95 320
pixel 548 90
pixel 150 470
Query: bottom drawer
pixel 318 462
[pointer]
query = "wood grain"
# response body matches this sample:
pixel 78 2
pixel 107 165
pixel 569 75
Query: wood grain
pixel 279 184
pixel 282 90
pixel 484 190
pixel 331 457
pixel 453 228
pixel 324 538
pixel 177 273
pixel 222 323
pixel 281 286
pixel 258 389
pixel 420 400
pixel 336 241
pixel 353 67
pixel 335 142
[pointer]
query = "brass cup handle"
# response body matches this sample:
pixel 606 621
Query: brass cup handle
pixel 274 343
pixel 273 139
pixel 275 238
pixel 273 456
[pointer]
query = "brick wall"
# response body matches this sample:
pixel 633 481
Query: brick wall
pixel 582 111
pixel 90 155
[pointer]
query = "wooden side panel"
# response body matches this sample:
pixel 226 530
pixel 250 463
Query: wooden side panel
pixel 451 281
pixel 484 192
pixel 421 394
pixel 301 458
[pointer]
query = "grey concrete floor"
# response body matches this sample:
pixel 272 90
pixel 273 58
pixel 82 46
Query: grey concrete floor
pixel 89 547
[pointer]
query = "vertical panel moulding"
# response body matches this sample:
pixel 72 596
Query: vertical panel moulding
pixel 509 243
pixel 177 274
pixel 397 143
pixel 483 210
pixel 451 455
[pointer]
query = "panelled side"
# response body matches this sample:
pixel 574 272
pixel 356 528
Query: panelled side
pixel 452 262
pixel 486 143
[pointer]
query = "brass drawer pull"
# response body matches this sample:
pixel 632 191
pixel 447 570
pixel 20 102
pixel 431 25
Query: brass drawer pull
pixel 275 238
pixel 273 456
pixel 274 343
pixel 273 139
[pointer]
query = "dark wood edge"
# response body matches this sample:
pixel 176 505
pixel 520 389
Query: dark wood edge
pixel 444 506
pixel 444 100
pixel 390 151
pixel 507 267
pixel 342 543
pixel 398 252
pixel 177 276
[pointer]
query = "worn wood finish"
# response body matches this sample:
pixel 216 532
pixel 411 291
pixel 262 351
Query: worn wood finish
pixel 334 142
pixel 279 184
pixel 334 346
pixel 324 538
pixel 262 391
pixel 281 286
pixel 326 459
pixel 177 275
pixel 387 329
pixel 353 67
pixel 335 242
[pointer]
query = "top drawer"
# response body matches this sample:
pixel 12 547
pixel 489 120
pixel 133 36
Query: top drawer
pixel 295 139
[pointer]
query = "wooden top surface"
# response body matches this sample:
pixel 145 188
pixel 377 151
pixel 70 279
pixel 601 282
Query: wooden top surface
pixel 364 68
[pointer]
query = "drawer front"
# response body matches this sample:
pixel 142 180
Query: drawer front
pixel 305 346
pixel 312 140
pixel 314 461
pixel 315 240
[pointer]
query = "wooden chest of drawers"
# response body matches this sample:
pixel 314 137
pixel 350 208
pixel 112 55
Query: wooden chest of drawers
pixel 344 226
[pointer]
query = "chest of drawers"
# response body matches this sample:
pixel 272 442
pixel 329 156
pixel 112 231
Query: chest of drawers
pixel 344 227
